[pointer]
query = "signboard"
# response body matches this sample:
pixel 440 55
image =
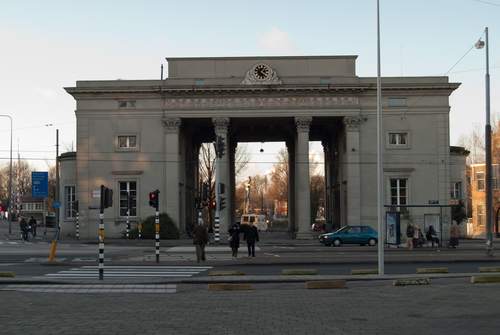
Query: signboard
pixel 392 228
pixel 56 204
pixel 39 184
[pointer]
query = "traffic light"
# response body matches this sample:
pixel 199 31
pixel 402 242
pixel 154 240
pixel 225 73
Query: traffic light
pixel 222 188
pixel 75 206
pixel 108 197
pixel 154 199
pixel 204 192
pixel 222 203
pixel 220 146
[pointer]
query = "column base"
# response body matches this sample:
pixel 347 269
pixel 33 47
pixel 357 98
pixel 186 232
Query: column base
pixel 305 235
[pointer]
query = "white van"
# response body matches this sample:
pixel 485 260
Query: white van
pixel 257 220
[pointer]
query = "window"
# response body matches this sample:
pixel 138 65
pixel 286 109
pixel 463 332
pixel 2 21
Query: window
pixel 127 142
pixel 128 189
pixel 69 201
pixel 480 215
pixel 398 139
pixel 354 230
pixel 399 191
pixel 480 181
pixel 456 190
pixel 126 104
pixel 397 102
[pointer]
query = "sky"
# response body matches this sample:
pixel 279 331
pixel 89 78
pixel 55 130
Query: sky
pixel 48 45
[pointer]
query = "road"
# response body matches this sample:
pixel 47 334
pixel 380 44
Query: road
pixel 447 307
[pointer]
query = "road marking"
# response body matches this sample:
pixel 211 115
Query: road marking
pixel 124 271
pixel 119 288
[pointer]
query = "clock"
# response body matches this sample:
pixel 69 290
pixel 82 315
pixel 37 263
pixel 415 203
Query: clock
pixel 261 71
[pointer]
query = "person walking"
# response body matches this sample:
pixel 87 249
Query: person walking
pixel 32 223
pixel 234 239
pixel 23 225
pixel 454 235
pixel 200 240
pixel 410 232
pixel 251 235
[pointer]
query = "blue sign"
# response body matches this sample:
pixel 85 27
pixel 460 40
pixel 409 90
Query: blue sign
pixel 56 204
pixel 39 184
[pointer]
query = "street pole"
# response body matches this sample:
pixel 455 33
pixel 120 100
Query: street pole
pixel 9 209
pixel 487 134
pixel 380 176
pixel 128 214
pixel 101 235
pixel 57 183
pixel 157 235
pixel 217 200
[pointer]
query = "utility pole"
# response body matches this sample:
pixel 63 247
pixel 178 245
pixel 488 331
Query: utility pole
pixel 380 173
pixel 57 184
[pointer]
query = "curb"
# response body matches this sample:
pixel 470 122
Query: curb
pixel 432 270
pixel 489 269
pixel 356 272
pixel 226 273
pixel 7 274
pixel 229 287
pixel 485 279
pixel 326 284
pixel 299 272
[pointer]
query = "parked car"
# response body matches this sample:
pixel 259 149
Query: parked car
pixel 350 235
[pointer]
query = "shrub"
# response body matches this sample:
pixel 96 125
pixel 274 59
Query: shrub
pixel 168 230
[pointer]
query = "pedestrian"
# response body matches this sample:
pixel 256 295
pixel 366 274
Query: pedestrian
pixel 23 225
pixel 234 239
pixel 200 240
pixel 32 223
pixel 410 232
pixel 251 235
pixel 454 235
pixel 431 236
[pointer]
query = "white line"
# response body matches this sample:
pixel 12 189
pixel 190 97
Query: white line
pixel 96 275
pixel 149 267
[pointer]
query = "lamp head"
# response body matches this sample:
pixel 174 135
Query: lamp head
pixel 479 44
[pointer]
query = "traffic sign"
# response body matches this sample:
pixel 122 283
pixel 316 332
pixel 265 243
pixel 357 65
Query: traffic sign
pixel 39 184
pixel 56 204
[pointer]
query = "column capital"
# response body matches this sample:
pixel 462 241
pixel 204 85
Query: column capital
pixel 171 124
pixel 352 123
pixel 221 124
pixel 303 123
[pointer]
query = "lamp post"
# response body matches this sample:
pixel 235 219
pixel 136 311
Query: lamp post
pixel 487 134
pixel 9 210
pixel 380 173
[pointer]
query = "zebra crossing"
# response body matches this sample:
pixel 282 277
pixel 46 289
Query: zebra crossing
pixel 126 271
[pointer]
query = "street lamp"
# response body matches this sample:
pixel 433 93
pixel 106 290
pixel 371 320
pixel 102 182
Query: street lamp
pixel 10 176
pixel 487 134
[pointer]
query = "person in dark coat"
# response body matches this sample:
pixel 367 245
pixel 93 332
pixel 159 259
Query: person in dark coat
pixel 32 224
pixel 432 236
pixel 200 240
pixel 23 225
pixel 234 239
pixel 251 235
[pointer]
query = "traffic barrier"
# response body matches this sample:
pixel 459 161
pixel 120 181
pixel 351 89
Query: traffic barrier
pixel 432 270
pixel 226 273
pixel 364 272
pixel 485 279
pixel 229 287
pixel 7 274
pixel 489 269
pixel 411 281
pixel 325 284
pixel 299 272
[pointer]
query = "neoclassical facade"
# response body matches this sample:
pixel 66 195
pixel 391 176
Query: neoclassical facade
pixel 136 136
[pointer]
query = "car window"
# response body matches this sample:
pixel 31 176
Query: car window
pixel 366 229
pixel 245 218
pixel 252 219
pixel 354 230
pixel 343 229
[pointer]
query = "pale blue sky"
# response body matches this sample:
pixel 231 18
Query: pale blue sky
pixel 47 45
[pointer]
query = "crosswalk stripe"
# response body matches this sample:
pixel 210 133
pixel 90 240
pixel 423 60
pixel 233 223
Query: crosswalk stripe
pixel 124 271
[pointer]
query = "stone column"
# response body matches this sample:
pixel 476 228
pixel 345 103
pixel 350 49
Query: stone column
pixel 302 187
pixel 232 178
pixel 221 125
pixel 170 200
pixel 290 145
pixel 353 169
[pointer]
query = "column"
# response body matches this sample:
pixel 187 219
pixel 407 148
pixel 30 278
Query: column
pixel 232 178
pixel 221 126
pixel 352 169
pixel 302 187
pixel 171 195
pixel 290 145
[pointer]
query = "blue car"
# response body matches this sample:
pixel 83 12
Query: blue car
pixel 361 235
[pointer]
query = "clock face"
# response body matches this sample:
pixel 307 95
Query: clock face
pixel 261 71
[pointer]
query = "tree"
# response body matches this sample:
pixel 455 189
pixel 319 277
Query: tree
pixel 278 189
pixel 317 194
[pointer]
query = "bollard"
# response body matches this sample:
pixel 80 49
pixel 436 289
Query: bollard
pixel 216 230
pixel 157 236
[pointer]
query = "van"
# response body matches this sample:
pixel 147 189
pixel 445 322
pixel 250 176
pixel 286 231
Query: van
pixel 258 221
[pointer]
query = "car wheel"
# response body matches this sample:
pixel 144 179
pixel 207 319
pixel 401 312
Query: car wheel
pixel 372 242
pixel 337 242
pixel 362 244
pixel 327 244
